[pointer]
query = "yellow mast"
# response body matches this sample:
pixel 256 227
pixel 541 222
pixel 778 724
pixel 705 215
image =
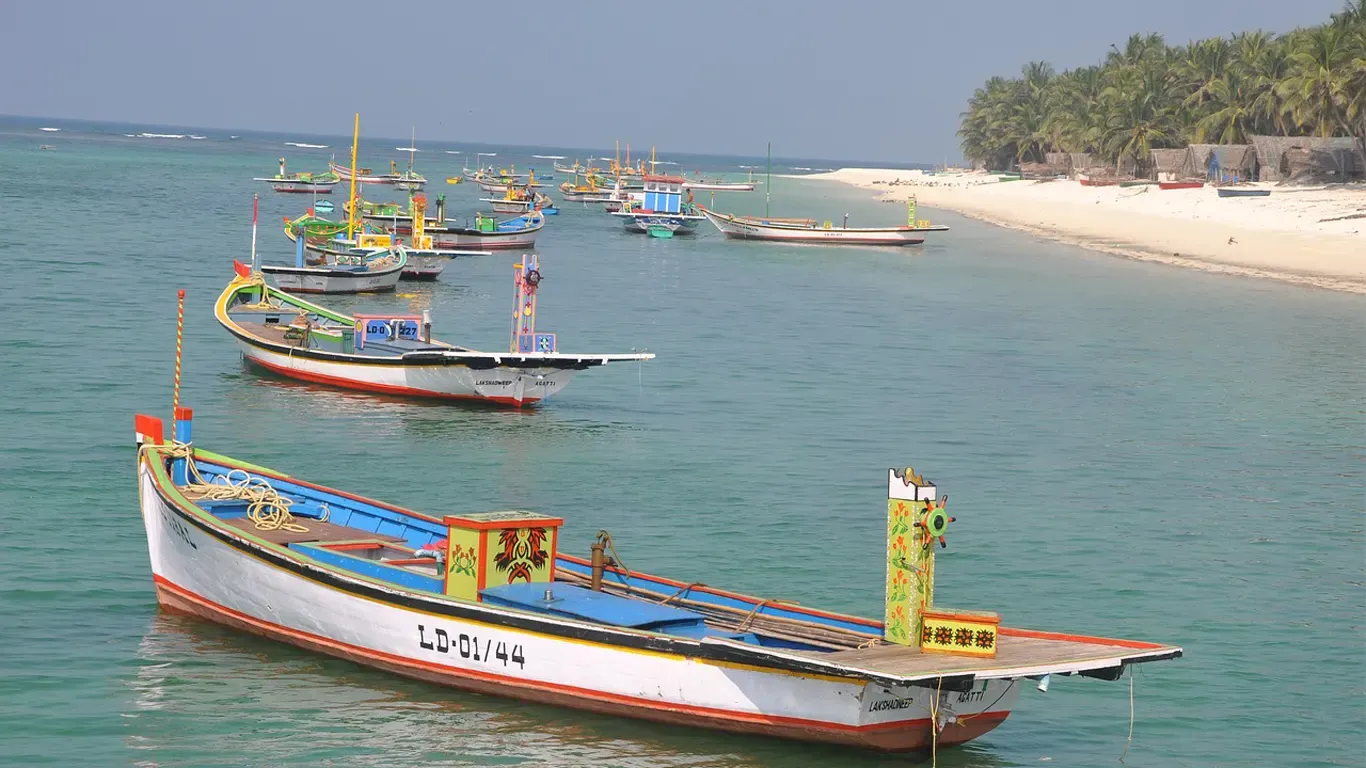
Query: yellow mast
pixel 351 215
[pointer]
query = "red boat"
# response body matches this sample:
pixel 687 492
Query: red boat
pixel 1180 184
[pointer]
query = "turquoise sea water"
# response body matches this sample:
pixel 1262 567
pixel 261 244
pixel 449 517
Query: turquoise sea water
pixel 1131 450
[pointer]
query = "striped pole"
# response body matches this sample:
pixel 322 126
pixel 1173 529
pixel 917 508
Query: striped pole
pixel 179 337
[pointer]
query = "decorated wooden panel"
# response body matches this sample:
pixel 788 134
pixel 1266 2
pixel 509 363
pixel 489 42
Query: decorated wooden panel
pixel 961 632
pixel 462 563
pixel 490 549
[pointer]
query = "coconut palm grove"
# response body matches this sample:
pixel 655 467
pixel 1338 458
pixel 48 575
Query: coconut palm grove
pixel 1149 95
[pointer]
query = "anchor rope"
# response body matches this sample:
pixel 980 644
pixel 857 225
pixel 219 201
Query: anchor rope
pixel 267 509
pixel 1130 741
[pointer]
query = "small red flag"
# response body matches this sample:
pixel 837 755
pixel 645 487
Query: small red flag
pixel 241 269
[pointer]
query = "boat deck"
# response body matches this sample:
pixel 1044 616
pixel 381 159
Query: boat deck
pixel 318 532
pixel 1019 653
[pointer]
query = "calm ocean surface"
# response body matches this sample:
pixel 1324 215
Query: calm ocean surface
pixel 1132 450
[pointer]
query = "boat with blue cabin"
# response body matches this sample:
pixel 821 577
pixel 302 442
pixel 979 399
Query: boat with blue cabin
pixel 660 203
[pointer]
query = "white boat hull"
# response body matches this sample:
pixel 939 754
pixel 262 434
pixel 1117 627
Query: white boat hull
pixel 324 280
pixel 504 385
pixel 743 229
pixel 197 571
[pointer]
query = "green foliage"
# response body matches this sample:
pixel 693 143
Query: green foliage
pixel 1149 95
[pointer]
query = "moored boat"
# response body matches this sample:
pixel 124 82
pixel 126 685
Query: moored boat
pixel 1166 185
pixel 304 183
pixel 488 233
pixel 361 271
pixel 827 233
pixel 396 354
pixel 490 602
pixel 660 204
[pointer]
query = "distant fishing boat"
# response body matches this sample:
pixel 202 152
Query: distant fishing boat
pixel 827 233
pixel 47 147
pixel 453 179
pixel 1243 192
pixel 50 130
pixel 1180 184
pixel 407 180
pixel 396 354
pixel 490 602
pixel 324 206
pixel 306 183
pixel 660 204
pixel 366 272
pixel 488 233
pixel 521 199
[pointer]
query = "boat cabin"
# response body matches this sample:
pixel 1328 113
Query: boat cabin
pixel 662 194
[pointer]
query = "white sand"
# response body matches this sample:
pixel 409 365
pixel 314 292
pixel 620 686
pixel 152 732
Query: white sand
pixel 1282 236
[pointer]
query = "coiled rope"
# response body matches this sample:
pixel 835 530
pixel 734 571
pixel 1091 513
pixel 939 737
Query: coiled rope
pixel 267 509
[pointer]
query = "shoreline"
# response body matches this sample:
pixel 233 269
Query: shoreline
pixel 1281 237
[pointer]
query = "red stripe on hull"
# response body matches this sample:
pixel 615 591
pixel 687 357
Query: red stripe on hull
pixel 386 389
pixel 906 735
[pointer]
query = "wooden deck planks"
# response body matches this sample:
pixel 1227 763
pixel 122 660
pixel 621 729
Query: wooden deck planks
pixel 1012 653
pixel 318 532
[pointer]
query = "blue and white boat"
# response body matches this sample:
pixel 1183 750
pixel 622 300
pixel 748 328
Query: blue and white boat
pixel 660 204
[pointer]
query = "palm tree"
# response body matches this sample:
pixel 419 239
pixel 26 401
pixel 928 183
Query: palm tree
pixel 1206 62
pixel 1139 116
pixel 1234 111
pixel 1316 90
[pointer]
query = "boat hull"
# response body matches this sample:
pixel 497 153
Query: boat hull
pixel 740 229
pixel 503 385
pixel 319 189
pixel 199 568
pixel 425 267
pixel 325 280
pixel 1165 185
pixel 641 222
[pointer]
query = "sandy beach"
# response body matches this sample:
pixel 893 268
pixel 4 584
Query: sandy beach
pixel 1309 236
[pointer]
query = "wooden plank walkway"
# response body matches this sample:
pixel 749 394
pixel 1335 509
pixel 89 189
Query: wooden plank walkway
pixel 1018 653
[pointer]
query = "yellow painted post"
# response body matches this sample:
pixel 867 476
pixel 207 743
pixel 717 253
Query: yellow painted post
pixel 910 212
pixel 910 564
pixel 351 217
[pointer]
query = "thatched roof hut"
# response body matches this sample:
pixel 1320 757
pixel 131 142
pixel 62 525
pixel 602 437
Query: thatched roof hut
pixel 1311 159
pixel 1222 162
pixel 1079 162
pixel 1170 164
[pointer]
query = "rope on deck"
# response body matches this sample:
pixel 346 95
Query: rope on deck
pixel 267 509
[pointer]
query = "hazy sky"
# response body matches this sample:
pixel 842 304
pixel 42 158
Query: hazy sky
pixel 842 80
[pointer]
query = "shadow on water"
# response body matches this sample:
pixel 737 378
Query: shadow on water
pixel 313 709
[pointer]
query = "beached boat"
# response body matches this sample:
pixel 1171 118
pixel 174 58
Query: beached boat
pixel 395 354
pixel 827 233
pixel 1180 184
pixel 1243 192
pixel 491 603
pixel 305 183
pixel 660 204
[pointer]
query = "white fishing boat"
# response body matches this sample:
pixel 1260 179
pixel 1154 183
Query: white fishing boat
pixel 357 271
pixel 490 603
pixel 827 233
pixel 396 354
pixel 719 185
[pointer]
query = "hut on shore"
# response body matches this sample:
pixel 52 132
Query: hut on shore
pixel 1221 163
pixel 1171 164
pixel 1308 159
pixel 1078 162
